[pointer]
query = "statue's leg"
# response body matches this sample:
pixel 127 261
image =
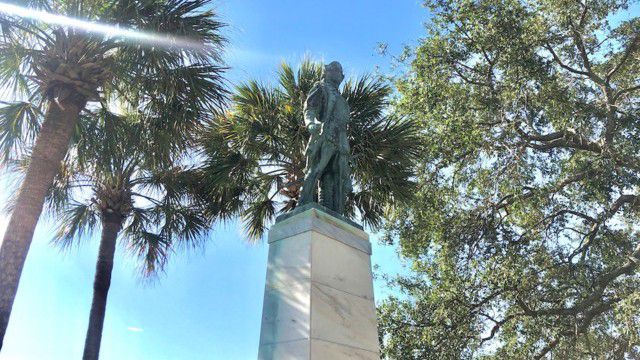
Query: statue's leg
pixel 325 198
pixel 338 193
pixel 328 183
pixel 327 154
pixel 310 179
pixel 308 187
pixel 314 171
pixel 343 181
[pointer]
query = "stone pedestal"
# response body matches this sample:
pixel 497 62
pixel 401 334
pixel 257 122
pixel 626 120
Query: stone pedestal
pixel 318 300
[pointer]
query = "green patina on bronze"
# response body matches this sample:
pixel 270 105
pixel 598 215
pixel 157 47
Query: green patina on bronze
pixel 326 115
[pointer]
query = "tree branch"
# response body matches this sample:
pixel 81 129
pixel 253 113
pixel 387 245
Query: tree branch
pixel 582 51
pixel 559 139
pixel 627 53
pixel 562 64
pixel 617 96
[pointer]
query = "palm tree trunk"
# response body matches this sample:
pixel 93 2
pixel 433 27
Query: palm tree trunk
pixel 111 226
pixel 48 152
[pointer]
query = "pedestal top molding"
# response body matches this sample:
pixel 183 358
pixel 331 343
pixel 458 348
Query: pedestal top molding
pixel 314 217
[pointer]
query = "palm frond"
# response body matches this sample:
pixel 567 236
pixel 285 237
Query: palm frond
pixel 287 80
pixel 180 18
pixel 186 225
pixel 224 181
pixel 151 249
pixel 15 70
pixel 256 217
pixel 309 73
pixel 60 193
pixel 19 126
pixel 154 232
pixel 367 98
pixel 77 221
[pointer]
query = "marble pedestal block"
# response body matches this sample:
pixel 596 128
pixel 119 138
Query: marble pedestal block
pixel 318 300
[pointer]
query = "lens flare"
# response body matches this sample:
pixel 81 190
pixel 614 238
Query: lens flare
pixel 146 38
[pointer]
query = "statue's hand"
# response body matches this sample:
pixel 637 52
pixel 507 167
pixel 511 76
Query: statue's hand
pixel 314 128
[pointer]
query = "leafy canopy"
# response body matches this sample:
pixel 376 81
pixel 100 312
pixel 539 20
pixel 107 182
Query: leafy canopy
pixel 523 232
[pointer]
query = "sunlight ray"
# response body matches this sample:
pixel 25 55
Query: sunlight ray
pixel 146 38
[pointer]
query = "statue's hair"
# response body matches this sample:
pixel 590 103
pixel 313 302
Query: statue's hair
pixel 334 65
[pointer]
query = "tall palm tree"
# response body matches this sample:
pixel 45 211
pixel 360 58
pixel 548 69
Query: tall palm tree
pixel 254 154
pixel 60 73
pixel 115 183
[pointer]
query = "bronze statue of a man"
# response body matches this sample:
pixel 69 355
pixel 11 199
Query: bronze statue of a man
pixel 326 114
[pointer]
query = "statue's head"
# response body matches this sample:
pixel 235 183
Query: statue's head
pixel 333 73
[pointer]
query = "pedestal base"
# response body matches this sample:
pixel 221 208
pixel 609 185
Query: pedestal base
pixel 318 301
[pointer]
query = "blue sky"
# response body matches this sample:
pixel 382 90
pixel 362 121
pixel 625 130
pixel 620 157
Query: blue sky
pixel 208 304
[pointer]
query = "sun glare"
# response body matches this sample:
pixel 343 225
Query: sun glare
pixel 141 37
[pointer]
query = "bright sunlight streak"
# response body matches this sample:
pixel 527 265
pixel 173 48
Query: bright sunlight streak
pixel 108 30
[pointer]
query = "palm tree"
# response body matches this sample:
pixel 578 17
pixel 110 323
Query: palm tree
pixel 254 153
pixel 115 182
pixel 60 73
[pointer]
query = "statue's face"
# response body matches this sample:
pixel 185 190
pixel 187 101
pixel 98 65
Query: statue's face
pixel 334 75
